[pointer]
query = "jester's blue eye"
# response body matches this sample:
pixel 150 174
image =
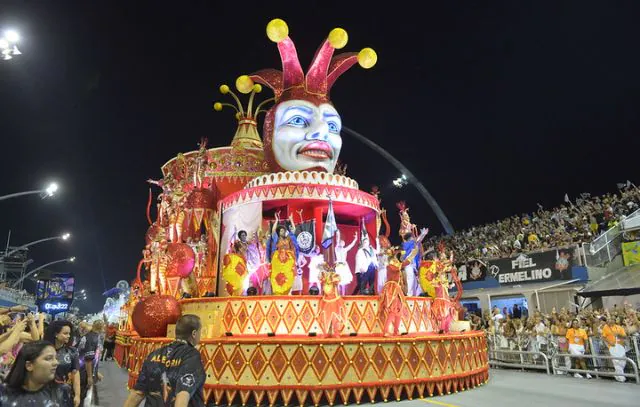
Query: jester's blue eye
pixel 297 121
pixel 333 127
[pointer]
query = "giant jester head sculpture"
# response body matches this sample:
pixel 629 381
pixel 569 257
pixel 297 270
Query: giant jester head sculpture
pixel 302 129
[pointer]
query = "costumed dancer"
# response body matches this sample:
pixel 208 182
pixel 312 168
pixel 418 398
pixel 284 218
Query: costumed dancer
pixel 366 267
pixel 427 277
pixel 382 245
pixel 258 265
pixel 156 255
pixel 315 267
pixel 283 259
pixel 392 300
pixel 342 267
pixel 234 264
pixel 297 281
pixel 201 162
pixel 443 309
pixel 331 309
pixel 332 312
pixel 176 213
pixel 408 244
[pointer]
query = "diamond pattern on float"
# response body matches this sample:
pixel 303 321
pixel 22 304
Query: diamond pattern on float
pixel 413 360
pixel 360 362
pixel 428 358
pixel 369 317
pixel 257 318
pixel 306 316
pixel 290 317
pixel 243 317
pixel 340 363
pixel 396 359
pixel 218 361
pixel 320 363
pixel 355 317
pixel 379 361
pixel 237 363
pixel 273 317
pixel 258 362
pixel 299 363
pixel 278 363
pixel 228 317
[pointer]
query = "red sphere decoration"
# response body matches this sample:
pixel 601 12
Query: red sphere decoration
pixel 181 260
pixel 152 315
pixel 200 198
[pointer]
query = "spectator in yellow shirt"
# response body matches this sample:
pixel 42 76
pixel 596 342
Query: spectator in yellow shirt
pixel 613 334
pixel 577 338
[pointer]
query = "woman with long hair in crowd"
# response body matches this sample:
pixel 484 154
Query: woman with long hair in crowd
pixel 68 370
pixel 31 381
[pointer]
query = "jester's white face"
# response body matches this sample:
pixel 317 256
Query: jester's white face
pixel 306 136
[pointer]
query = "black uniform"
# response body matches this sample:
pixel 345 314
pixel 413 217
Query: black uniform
pixel 51 395
pixel 68 362
pixel 170 370
pixel 88 350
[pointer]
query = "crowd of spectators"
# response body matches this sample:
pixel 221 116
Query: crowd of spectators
pixel 14 295
pixel 573 222
pixel 55 363
pixel 614 332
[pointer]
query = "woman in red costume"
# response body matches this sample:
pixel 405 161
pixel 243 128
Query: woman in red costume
pixel 332 312
pixel 392 301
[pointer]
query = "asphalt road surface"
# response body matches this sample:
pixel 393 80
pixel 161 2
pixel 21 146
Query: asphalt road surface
pixel 505 388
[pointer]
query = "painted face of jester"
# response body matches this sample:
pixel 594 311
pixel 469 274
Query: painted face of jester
pixel 306 136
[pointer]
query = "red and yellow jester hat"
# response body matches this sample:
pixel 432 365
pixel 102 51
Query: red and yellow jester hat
pixel 292 84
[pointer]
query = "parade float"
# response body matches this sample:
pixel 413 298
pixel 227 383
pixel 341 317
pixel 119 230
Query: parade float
pixel 259 238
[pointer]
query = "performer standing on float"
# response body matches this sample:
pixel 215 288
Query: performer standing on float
pixel 342 267
pixel 392 300
pixel 283 258
pixel 382 244
pixel 408 244
pixel 332 313
pixel 366 264
pixel 234 264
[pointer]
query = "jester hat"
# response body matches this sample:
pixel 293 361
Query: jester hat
pixel 293 84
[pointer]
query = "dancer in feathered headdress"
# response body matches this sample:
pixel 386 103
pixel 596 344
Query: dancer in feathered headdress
pixel 392 300
pixel 302 129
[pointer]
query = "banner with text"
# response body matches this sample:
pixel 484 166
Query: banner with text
pixel 533 267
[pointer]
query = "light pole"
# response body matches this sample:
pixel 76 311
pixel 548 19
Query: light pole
pixel 21 279
pixel 8 47
pixel 409 177
pixel 49 191
pixel 63 237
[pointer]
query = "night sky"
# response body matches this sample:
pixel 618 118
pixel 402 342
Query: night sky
pixel 494 108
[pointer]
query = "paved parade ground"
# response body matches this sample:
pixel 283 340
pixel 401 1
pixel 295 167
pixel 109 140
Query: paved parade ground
pixel 505 388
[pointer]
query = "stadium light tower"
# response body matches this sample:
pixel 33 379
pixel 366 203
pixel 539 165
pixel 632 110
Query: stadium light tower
pixel 47 192
pixel 8 45
pixel 67 260
pixel 408 177
pixel 63 237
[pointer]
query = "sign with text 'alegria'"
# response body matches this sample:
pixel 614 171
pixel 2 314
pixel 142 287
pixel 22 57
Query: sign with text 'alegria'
pixel 533 267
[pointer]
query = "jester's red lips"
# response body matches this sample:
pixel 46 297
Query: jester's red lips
pixel 317 150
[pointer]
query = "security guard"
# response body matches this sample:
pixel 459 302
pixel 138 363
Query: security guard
pixel 173 376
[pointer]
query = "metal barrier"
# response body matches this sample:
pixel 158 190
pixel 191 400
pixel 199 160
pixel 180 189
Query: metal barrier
pixel 556 368
pixel 497 362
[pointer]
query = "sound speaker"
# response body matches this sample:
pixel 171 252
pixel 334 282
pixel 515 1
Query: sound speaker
pixel 228 333
pixel 271 334
pixel 312 334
